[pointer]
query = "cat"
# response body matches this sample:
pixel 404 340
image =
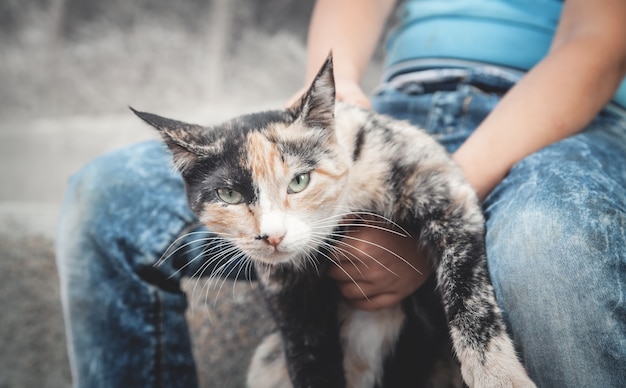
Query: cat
pixel 275 187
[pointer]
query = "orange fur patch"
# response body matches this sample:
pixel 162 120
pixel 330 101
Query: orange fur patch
pixel 225 220
pixel 262 156
pixel 330 174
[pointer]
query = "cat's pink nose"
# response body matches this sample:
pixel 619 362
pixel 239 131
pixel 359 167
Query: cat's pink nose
pixel 273 239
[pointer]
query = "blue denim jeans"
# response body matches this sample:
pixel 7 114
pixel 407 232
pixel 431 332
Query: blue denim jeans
pixel 555 236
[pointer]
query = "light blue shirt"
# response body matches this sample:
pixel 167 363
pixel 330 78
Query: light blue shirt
pixel 511 33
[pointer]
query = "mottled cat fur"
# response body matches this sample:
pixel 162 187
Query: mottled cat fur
pixel 275 186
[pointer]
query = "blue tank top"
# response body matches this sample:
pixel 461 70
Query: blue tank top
pixel 511 33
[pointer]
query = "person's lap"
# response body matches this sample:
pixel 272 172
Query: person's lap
pixel 555 244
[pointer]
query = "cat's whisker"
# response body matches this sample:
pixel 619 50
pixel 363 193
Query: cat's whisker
pixel 370 256
pixel 162 259
pixel 215 271
pixel 204 251
pixel 199 275
pixel 370 217
pixel 226 276
pixel 385 224
pixel 248 268
pixel 336 216
pixel 199 272
pixel 343 252
pixel 189 262
pixel 220 273
pixel 309 258
pixel 346 273
pixel 169 253
pixel 346 254
pixel 367 255
pixel 242 269
pixel 321 241
pixel 405 261
pixel 366 225
pixel 225 258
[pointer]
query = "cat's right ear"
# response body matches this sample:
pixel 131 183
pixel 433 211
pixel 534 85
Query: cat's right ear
pixel 316 108
pixel 187 142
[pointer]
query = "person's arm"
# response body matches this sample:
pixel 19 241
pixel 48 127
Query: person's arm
pixel 557 98
pixel 350 29
pixel 554 100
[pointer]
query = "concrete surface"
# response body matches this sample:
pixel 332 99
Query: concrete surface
pixel 68 71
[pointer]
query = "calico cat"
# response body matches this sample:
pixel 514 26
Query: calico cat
pixel 275 187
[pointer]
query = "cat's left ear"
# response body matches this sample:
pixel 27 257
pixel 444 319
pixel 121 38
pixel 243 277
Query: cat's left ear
pixel 317 107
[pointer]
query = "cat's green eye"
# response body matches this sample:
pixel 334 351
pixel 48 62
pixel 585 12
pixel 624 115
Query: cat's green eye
pixel 229 196
pixel 299 183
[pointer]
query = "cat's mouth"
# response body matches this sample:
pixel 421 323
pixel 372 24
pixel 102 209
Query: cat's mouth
pixel 277 258
pixel 273 256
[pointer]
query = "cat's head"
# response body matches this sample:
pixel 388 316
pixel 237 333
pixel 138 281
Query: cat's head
pixel 271 182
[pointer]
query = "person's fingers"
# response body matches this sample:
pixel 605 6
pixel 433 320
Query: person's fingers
pixel 355 98
pixel 351 93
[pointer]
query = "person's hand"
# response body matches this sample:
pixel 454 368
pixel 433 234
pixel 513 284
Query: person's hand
pixel 346 91
pixel 377 268
pixel 350 92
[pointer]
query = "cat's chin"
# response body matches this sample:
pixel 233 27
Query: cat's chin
pixel 274 258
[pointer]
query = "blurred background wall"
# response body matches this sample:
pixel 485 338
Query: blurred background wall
pixel 67 57
pixel 68 71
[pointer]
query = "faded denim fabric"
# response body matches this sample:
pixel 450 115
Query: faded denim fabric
pixel 555 240
pixel 124 317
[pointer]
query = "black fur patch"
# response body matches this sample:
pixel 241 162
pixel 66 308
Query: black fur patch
pixel 358 144
pixel 260 120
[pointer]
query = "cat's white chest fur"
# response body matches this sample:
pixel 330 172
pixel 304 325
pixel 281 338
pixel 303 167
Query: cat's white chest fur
pixel 369 337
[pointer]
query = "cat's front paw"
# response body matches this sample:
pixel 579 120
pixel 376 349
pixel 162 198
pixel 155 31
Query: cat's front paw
pixel 496 368
pixel 511 378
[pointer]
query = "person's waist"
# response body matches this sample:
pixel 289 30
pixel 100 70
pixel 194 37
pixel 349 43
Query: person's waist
pixel 512 45
pixel 438 74
pixel 447 75
pixel 441 75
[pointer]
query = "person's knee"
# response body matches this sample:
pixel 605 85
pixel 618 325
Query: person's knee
pixel 540 239
pixel 87 187
pixel 109 198
pixel 93 189
pixel 528 247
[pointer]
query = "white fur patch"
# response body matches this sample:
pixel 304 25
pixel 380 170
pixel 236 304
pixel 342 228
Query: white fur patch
pixel 268 368
pixel 368 337
pixel 501 368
